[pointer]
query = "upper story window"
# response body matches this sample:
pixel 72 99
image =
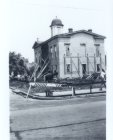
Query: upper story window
pixel 51 51
pixel 83 44
pixel 97 50
pixel 55 50
pixel 84 47
pixel 67 49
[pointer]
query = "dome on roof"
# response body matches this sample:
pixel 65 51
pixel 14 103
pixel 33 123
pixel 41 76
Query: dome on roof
pixel 56 22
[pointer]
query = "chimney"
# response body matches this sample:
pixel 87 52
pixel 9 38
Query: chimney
pixel 90 30
pixel 37 40
pixel 70 30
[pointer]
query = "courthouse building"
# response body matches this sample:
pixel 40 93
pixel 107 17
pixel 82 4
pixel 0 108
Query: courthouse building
pixel 71 54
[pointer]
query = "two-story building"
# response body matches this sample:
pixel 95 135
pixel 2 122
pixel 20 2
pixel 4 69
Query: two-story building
pixel 71 54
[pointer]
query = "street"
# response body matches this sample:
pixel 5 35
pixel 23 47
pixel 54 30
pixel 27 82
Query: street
pixel 78 118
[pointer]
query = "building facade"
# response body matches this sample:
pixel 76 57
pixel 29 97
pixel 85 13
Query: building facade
pixel 71 54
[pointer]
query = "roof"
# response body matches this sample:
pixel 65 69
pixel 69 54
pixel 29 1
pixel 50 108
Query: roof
pixel 68 35
pixel 56 22
pixel 87 32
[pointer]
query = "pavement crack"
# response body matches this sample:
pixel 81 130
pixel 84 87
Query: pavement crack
pixel 49 127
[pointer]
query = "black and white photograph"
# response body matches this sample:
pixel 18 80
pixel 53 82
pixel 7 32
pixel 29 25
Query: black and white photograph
pixel 58 68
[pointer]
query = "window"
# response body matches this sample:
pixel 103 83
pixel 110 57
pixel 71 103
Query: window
pixel 67 49
pixel 82 44
pixel 68 68
pixel 83 69
pixel 84 47
pixel 55 51
pixel 51 51
pixel 98 67
pixel 97 50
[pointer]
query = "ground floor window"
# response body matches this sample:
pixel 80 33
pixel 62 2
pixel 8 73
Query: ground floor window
pixel 98 67
pixel 83 69
pixel 68 68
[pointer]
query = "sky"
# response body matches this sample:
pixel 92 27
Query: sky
pixel 30 19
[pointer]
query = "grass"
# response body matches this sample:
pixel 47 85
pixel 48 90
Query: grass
pixel 24 86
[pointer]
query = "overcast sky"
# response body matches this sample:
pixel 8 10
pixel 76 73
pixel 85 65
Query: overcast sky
pixel 30 19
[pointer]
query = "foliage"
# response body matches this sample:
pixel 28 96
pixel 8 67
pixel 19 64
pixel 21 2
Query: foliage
pixel 31 69
pixel 17 64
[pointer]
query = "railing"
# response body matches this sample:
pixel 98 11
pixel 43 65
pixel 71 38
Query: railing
pixel 89 84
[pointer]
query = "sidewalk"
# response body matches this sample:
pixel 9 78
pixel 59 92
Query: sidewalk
pixel 78 92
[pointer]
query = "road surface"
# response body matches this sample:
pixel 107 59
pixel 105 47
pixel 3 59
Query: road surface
pixel 80 118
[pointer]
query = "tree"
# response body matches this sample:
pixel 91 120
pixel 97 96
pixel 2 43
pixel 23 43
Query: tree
pixel 17 64
pixel 31 68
